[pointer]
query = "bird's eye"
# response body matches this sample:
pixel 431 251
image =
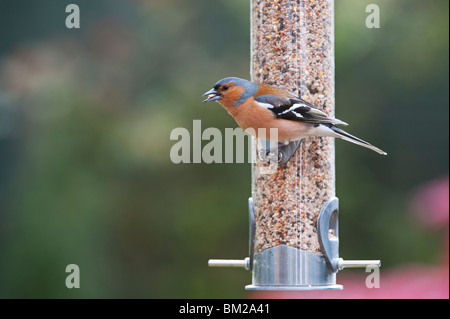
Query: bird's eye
pixel 225 87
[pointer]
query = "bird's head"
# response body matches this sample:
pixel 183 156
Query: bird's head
pixel 231 91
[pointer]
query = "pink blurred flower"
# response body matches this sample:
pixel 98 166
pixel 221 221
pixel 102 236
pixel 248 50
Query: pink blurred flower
pixel 430 204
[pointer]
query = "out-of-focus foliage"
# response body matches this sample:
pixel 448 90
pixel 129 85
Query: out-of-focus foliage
pixel 85 119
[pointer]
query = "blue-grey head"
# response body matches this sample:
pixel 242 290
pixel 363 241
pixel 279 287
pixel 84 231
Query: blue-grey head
pixel 231 91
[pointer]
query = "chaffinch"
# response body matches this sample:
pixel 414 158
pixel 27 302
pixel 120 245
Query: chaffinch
pixel 255 106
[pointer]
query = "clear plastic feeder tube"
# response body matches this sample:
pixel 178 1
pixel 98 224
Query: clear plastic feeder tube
pixel 292 47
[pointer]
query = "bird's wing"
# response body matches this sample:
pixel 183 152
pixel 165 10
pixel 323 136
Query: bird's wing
pixel 295 109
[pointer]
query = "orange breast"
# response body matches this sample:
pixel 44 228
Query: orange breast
pixel 258 121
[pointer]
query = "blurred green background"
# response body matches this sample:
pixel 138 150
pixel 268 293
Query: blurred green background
pixel 85 119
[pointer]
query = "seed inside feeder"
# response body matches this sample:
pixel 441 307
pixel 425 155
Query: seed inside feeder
pixel 293 48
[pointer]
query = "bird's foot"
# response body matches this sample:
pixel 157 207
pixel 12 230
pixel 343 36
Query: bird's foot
pixel 279 153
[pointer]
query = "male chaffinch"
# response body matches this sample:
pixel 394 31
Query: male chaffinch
pixel 255 106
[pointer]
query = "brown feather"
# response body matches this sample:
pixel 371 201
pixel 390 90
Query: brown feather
pixel 250 115
pixel 265 89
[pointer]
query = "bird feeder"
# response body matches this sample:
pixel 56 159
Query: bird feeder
pixel 293 211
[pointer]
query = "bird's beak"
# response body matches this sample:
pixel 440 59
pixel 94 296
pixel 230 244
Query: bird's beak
pixel 213 95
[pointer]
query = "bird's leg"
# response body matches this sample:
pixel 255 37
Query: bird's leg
pixel 281 151
pixel 268 151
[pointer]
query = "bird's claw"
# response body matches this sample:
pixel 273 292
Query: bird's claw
pixel 280 154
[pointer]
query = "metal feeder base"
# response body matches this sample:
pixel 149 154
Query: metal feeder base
pixel 294 288
pixel 288 268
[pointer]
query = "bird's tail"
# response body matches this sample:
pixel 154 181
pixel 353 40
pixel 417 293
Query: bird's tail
pixel 353 139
